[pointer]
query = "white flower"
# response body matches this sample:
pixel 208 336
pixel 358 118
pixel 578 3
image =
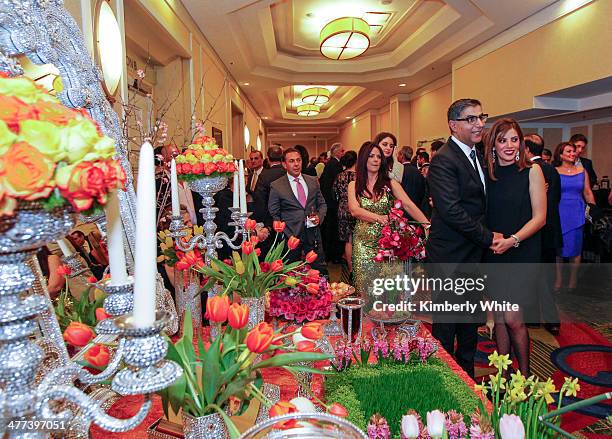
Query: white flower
pixel 303 405
pixel 410 427
pixel 298 337
pixel 435 424
pixel 511 427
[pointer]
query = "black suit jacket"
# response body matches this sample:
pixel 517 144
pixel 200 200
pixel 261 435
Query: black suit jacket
pixel 458 232
pixel 331 171
pixel 261 194
pixel 284 206
pixel 587 164
pixel 552 237
pixel 413 184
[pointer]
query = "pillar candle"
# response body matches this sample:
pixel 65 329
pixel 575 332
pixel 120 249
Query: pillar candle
pixel 176 209
pixel 116 253
pixel 236 188
pixel 63 245
pixel 146 241
pixel 241 182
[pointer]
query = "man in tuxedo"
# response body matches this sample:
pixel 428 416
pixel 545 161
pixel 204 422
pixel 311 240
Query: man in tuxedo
pixel 332 247
pixel 552 237
pixel 580 142
pixel 297 200
pixel 458 235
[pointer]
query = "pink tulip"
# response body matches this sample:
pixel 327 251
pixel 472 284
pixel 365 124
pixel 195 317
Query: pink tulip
pixel 511 427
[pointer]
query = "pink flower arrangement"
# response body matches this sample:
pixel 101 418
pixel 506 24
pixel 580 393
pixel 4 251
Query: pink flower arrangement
pixel 302 302
pixel 400 239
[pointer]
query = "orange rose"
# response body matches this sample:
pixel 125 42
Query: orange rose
pixel 27 172
pixel 114 175
pixel 13 110
pixel 312 330
pixel 98 355
pixel 283 408
pixel 55 113
pixel 78 334
pixel 238 315
pixel 81 184
pixel 216 309
pixel 259 338
pixel 293 243
pixel 209 168
pixel 221 167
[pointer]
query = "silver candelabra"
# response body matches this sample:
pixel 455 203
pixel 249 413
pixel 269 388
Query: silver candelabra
pixel 31 410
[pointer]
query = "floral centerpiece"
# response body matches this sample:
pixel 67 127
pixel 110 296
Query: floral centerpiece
pixel 222 376
pixel 204 158
pixel 50 153
pixel 401 238
pixel 173 257
pixel 309 300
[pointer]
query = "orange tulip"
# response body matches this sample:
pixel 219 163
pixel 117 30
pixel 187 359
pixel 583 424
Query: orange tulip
pixel 276 266
pixel 259 338
pixel 64 270
pixel 247 248
pixel 258 252
pixel 283 408
pixel 312 288
pixel 311 256
pixel 98 355
pixel 305 346
pixel 216 309
pixel 338 410
pixel 101 314
pixel 278 226
pixel 250 224
pixel 78 334
pixel 92 279
pixel 293 243
pixel 238 315
pixel 312 330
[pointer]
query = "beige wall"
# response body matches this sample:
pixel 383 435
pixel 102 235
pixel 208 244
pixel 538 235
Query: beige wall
pixel 601 149
pixel 356 131
pixel 569 51
pixel 428 115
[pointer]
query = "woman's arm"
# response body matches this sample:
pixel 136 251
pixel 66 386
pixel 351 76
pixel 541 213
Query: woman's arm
pixel 537 193
pixel 587 192
pixel 407 204
pixel 359 212
pixel 55 282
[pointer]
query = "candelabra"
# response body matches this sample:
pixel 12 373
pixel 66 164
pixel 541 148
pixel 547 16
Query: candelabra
pixel 142 349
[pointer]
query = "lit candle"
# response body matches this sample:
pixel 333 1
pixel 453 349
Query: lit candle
pixel 242 193
pixel 63 245
pixel 235 188
pixel 176 210
pixel 116 253
pixel 146 241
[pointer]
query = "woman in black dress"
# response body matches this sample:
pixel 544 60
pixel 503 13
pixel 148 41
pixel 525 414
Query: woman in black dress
pixel 345 220
pixel 516 207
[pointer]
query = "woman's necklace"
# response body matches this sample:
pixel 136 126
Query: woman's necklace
pixel 568 169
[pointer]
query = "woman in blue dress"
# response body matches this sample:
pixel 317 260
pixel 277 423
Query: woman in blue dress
pixel 575 190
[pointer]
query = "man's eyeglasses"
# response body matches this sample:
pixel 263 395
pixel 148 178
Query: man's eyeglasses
pixel 472 119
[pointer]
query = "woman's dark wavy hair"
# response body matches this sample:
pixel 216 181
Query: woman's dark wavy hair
pixel 361 176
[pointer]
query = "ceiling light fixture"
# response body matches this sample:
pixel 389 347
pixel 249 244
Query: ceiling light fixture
pixel 315 95
pixel 345 38
pixel 402 85
pixel 308 110
pixel 246 83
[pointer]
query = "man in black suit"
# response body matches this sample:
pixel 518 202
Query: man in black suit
pixel 332 247
pixel 458 235
pixel 261 194
pixel 580 142
pixel 297 200
pixel 552 238
pixel 413 184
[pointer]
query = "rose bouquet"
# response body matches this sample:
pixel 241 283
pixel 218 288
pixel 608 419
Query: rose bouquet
pixel 203 158
pixel 50 153
pixel 223 376
pixel 401 238
pixel 247 276
pixel 309 300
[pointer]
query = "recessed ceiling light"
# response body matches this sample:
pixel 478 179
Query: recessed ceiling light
pixel 264 117
pixel 293 134
pixel 402 85
pixel 246 83
pixel 348 117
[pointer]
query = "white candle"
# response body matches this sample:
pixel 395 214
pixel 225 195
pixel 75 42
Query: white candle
pixel 116 253
pixel 235 188
pixel 176 209
pixel 146 241
pixel 63 245
pixel 242 192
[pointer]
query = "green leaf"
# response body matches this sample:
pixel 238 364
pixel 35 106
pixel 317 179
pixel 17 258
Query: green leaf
pixel 234 388
pixel 211 373
pixel 295 369
pixel 291 358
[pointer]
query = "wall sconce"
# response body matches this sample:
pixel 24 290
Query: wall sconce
pixel 247 136
pixel 109 47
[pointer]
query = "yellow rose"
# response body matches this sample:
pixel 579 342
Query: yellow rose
pixel 206 158
pixel 218 157
pixel 7 137
pixel 25 89
pixel 191 159
pixel 180 159
pixel 43 136
pixel 79 137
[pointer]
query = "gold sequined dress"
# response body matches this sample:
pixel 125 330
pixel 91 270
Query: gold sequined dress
pixel 366 270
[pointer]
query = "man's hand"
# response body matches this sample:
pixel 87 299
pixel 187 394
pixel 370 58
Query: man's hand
pixel 315 219
pixel 262 233
pixel 497 238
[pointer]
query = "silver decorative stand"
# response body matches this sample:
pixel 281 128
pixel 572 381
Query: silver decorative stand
pixel 21 399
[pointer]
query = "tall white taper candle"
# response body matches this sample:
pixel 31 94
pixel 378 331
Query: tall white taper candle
pixel 116 253
pixel 236 188
pixel 241 182
pixel 146 241
pixel 176 209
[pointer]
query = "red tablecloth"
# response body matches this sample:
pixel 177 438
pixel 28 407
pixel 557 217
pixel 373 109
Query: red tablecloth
pixel 128 406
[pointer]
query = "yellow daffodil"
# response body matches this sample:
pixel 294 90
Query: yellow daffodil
pixel 517 380
pixel 481 388
pixel 545 389
pixel 198 230
pixel 516 394
pixel 497 382
pixel 572 386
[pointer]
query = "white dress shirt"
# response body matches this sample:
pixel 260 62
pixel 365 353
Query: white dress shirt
pixel 467 150
pixel 294 185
